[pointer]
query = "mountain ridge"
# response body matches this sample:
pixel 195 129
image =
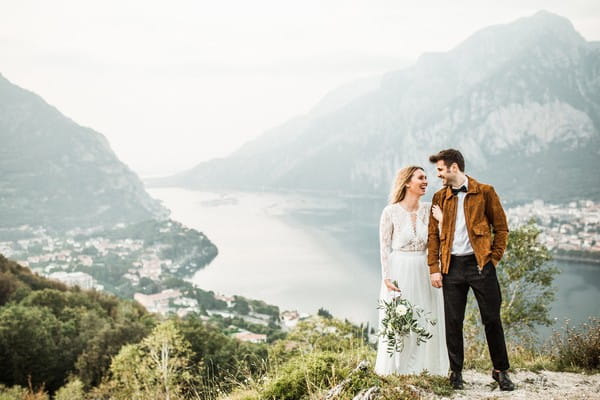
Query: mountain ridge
pixel 58 173
pixel 510 92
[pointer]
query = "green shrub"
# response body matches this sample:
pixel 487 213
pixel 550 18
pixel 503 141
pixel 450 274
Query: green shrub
pixel 12 393
pixel 315 356
pixel 321 353
pixel 530 357
pixel 73 390
pixel 304 375
pixel 320 334
pixel 21 393
pixel 578 348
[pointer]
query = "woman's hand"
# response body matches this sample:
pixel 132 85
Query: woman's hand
pixel 391 287
pixel 437 213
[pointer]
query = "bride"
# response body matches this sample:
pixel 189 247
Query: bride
pixel 403 244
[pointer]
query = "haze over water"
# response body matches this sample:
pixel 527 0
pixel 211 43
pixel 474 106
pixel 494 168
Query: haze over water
pixel 261 256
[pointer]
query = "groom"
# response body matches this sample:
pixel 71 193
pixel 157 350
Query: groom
pixel 463 255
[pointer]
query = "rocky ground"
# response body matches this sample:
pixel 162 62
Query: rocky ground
pixel 542 385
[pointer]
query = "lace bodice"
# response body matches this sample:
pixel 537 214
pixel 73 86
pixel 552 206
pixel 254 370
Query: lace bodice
pixel 399 230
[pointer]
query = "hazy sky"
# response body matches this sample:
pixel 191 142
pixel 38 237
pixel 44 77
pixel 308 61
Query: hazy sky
pixel 174 83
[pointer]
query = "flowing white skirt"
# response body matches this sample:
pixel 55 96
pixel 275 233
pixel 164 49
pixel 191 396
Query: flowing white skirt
pixel 411 271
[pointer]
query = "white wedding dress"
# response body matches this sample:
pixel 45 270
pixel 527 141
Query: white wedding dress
pixel 403 241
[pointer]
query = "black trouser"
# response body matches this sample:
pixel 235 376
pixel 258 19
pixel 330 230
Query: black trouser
pixel 464 273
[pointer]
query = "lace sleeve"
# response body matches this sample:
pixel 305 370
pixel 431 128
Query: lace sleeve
pixel 386 229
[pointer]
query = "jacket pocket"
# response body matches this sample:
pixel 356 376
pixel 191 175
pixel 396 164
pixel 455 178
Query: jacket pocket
pixel 482 240
pixel 481 230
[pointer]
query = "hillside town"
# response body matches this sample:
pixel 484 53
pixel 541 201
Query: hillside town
pixel 118 260
pixel 135 266
pixel 570 228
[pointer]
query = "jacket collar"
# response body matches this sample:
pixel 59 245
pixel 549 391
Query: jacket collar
pixel 473 187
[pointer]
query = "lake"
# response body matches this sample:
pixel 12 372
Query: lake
pixel 304 252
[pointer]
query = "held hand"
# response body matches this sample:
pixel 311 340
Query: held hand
pixel 437 213
pixel 391 287
pixel 436 279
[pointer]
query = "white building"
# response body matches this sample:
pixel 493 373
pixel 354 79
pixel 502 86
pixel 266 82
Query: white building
pixel 246 336
pixel 227 299
pixel 159 302
pixel 85 260
pixel 81 279
pixel 289 319
pixel 151 267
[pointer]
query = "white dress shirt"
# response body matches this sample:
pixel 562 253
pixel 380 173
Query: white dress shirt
pixel 461 245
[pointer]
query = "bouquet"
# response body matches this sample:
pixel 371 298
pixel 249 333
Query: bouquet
pixel 401 318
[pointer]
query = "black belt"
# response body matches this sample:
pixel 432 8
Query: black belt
pixel 463 257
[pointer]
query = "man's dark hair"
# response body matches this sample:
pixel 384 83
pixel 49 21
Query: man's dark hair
pixel 449 156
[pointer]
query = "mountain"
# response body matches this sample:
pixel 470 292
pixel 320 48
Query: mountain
pixel 344 94
pixel 520 100
pixel 57 173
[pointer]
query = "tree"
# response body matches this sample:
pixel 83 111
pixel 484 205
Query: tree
pixel 324 313
pixel 525 278
pixel 158 367
pixel 241 306
pixel 49 332
pixel 30 339
pixel 127 381
pixel 8 285
pixel 95 359
pixel 21 393
pixel 147 286
pixel 221 360
pixel 73 390
pixel 12 393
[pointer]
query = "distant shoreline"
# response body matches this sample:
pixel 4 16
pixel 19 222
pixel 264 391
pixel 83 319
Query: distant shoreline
pixel 562 257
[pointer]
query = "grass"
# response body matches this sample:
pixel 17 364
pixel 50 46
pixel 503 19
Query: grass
pixel 20 393
pixel 577 349
pixel 571 349
pixel 321 354
pixel 522 357
pixel 303 383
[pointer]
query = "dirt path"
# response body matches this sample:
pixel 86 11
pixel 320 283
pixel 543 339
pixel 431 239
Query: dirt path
pixel 543 385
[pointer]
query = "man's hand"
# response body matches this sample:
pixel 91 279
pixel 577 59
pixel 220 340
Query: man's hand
pixel 436 279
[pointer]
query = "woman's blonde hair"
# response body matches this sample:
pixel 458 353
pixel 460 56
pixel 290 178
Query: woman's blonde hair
pixel 403 176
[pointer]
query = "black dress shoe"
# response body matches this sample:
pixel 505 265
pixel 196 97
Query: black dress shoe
pixel 456 380
pixel 503 380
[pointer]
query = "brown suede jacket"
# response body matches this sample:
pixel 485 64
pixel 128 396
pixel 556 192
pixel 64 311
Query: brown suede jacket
pixel 483 212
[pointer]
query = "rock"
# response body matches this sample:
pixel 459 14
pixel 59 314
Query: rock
pixel 337 390
pixel 367 394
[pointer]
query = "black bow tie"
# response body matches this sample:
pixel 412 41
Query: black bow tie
pixel 463 188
